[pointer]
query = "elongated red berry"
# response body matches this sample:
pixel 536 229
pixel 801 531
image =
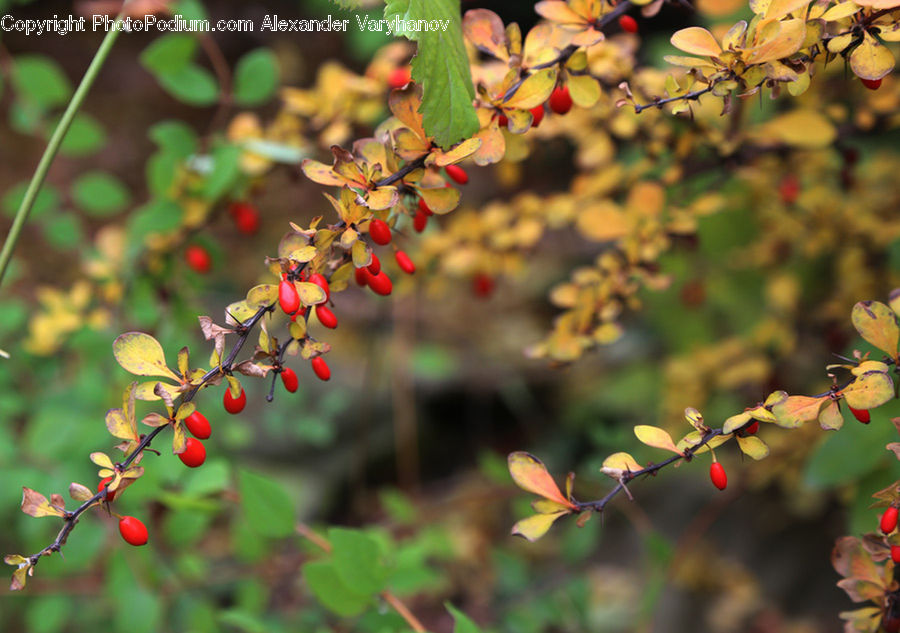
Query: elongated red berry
pixel 380 232
pixel 457 174
pixel 381 284
pixel 789 189
pixel 871 84
pixel 194 453
pixel 862 415
pixel 717 475
pixel 326 316
pixel 321 282
pixel 502 120
pixel 753 428
pixel 399 77
pixel 420 221
pixel 374 266
pixel 288 297
pixel 198 258
pixel 198 426
pixel 362 277
pixel 404 262
pixel 560 100
pixel 482 285
pixel 424 208
pixel 110 494
pixel 537 115
pixel 895 553
pixel 321 368
pixel 289 378
pixel 889 520
pixel 245 216
pixel 232 404
pixel 628 24
pixel 133 531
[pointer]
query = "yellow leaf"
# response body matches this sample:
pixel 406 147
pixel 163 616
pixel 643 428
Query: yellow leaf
pixel 695 419
pixel 310 294
pixel 545 506
pixel 602 221
pixel 35 504
pixel 142 355
pixel 696 41
pixel 442 200
pixel 839 11
pixel 534 527
pixel 735 422
pixel 146 390
pixel 120 426
pixel 530 474
pixel 877 324
pixel 871 59
pixel 753 447
pixel 830 417
pixel 806 129
pixel 492 148
pixel 656 437
pixel 304 254
pixel 618 464
pixel 780 8
pixel 534 91
pixel 584 90
pixel 382 198
pixel 870 390
pixel 485 30
pixel 785 39
pixel 321 173
pixel 458 153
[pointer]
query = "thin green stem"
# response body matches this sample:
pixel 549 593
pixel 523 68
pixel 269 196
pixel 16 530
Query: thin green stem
pixel 37 180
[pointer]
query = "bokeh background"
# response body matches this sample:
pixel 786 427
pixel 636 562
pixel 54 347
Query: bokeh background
pixel 431 388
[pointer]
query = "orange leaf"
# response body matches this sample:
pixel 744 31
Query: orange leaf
pixel 530 474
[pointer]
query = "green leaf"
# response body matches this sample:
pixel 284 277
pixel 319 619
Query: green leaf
pixel 169 53
pixel 40 80
pixel 462 622
pixel 175 137
pixel 266 504
pixel 226 168
pixel 63 230
pixel 191 10
pixel 161 169
pixel 191 84
pixel 157 216
pixel 441 66
pixel 47 200
pixel 85 136
pixel 255 77
pixel 324 581
pixel 846 456
pixel 357 560
pixel 100 193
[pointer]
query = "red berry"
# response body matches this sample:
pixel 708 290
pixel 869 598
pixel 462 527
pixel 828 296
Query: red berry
pixel 289 378
pixel 380 232
pixel 399 77
pixel 862 415
pixel 375 266
pixel 560 101
pixel 198 426
pixel 895 553
pixel 381 284
pixel 537 115
pixel 362 277
pixel 889 520
pixel 245 216
pixel 288 298
pixel 423 207
pixel 110 494
pixel 322 283
pixel 628 24
pixel 321 368
pixel 789 189
pixel 405 263
pixel 133 531
pixel 198 258
pixel 502 121
pixel 871 84
pixel 753 428
pixel 326 316
pixel 420 221
pixel 718 476
pixel 482 285
pixel 194 453
pixel 235 405
pixel 457 173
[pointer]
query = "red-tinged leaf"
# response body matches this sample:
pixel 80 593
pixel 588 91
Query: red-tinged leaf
pixel 534 527
pixel 794 411
pixel 35 504
pixel 24 569
pixel 877 324
pixel 850 560
pixel 530 474
pixel 861 590
pixel 655 437
pixel 142 355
